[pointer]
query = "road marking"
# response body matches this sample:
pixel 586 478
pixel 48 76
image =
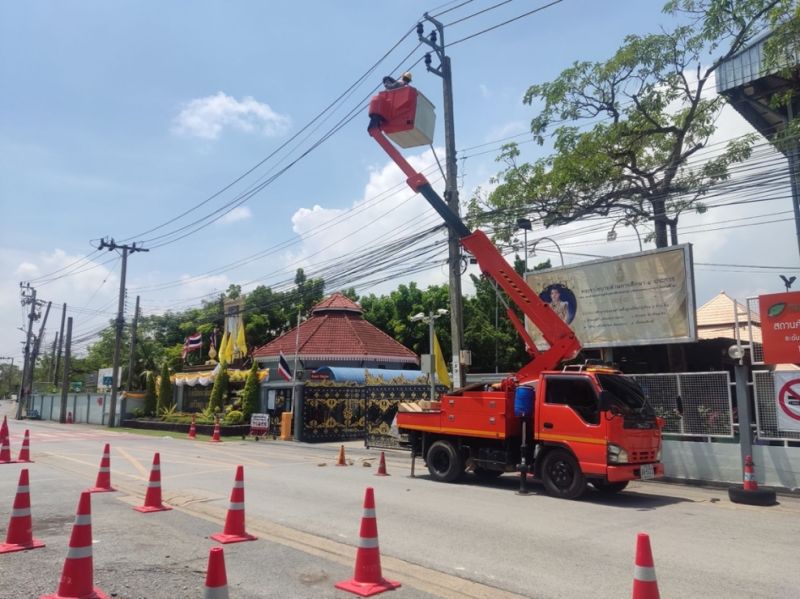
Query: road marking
pixel 134 462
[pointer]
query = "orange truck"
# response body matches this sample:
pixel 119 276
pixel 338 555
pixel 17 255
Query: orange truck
pixel 568 427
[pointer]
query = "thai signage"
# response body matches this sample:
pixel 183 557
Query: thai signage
pixel 638 299
pixel 780 327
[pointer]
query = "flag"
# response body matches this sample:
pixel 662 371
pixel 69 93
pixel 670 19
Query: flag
pixel 212 339
pixel 228 347
pixel 223 347
pixel 283 368
pixel 194 342
pixel 441 366
pixel 240 341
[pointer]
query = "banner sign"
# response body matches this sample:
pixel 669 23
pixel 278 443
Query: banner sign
pixel 780 327
pixel 637 299
pixel 787 399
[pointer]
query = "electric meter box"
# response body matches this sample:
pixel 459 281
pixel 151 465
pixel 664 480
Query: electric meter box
pixel 409 117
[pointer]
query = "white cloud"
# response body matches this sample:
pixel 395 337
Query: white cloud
pixel 237 214
pixel 207 117
pixel 485 92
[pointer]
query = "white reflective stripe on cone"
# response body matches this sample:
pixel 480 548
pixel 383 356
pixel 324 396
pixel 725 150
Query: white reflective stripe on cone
pixel 216 593
pixel 644 573
pixel 368 543
pixel 20 512
pixel 23 489
pixel 104 469
pixel 156 468
pixel 83 519
pixel 369 512
pixel 238 484
pixel 235 506
pixel 79 552
pixel 154 483
pixel 749 476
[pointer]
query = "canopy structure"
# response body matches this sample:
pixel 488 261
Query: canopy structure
pixel 361 375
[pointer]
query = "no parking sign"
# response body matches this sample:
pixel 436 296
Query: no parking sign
pixel 787 397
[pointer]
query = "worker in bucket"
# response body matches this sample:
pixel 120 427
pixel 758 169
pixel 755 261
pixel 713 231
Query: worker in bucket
pixel 391 83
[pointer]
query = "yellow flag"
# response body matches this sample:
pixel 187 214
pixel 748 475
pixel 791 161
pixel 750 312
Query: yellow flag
pixel 229 348
pixel 222 347
pixel 240 341
pixel 441 366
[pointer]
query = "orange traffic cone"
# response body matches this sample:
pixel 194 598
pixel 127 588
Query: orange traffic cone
pixel 20 530
pixel 192 429
pixel 152 499
pixel 25 450
pixel 215 435
pixel 750 481
pixel 76 577
pixel 69 417
pixel 341 461
pixel 4 434
pixel 216 579
pixel 103 483
pixel 644 571
pixel 234 531
pixel 5 450
pixel 367 579
pixel 382 466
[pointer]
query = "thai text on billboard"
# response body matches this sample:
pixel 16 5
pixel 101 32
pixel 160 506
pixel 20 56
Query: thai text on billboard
pixel 638 299
pixel 780 327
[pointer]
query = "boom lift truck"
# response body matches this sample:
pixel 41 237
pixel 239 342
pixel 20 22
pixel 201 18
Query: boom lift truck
pixel 567 427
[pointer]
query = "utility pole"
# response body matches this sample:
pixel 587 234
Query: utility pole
pixel 52 374
pixel 60 341
pixel 37 344
pixel 28 297
pixel 436 41
pixel 132 361
pixel 65 381
pixel 120 322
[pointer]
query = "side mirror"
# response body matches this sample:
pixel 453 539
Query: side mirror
pixel 679 405
pixel 605 401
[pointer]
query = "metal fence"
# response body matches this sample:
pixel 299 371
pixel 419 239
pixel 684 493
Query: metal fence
pixel 766 415
pixel 706 398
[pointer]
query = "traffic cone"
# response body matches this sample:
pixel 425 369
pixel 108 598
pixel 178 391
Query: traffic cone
pixel 234 522
pixel 382 467
pixel 192 429
pixel 750 482
pixel 20 530
pixel 76 577
pixel 216 579
pixel 152 499
pixel 69 417
pixel 341 461
pixel 103 483
pixel 367 578
pixel 25 450
pixel 215 435
pixel 4 434
pixel 644 571
pixel 5 451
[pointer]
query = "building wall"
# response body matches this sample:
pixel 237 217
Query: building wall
pixel 92 408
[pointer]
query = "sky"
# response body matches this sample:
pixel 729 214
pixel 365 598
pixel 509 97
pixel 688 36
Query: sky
pixel 118 117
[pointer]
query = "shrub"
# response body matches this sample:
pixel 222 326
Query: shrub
pixel 219 391
pixel 164 390
pixel 250 393
pixel 234 417
pixel 138 412
pixel 150 402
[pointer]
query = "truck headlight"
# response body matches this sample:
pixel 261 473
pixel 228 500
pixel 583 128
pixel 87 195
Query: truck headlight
pixel 616 454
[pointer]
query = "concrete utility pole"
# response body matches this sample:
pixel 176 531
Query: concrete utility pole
pixel 28 297
pixel 132 361
pixel 65 381
pixel 120 322
pixel 60 342
pixel 52 374
pixel 37 344
pixel 451 189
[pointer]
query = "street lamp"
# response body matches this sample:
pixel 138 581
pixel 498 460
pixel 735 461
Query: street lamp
pixel 612 234
pixel 560 254
pixel 430 319
pixel 525 225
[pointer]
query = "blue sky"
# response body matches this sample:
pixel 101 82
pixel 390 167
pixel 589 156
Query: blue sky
pixel 115 117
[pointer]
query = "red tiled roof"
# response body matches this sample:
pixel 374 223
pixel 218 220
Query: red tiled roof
pixel 337 331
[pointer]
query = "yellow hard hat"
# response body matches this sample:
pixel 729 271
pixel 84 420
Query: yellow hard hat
pixel 406 76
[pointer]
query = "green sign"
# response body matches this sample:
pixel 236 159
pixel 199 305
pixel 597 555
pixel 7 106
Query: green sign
pixel 76 386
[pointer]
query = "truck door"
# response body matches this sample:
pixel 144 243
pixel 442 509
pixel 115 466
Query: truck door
pixel 569 413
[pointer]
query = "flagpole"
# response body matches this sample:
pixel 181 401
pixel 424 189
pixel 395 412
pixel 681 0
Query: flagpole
pixel 296 347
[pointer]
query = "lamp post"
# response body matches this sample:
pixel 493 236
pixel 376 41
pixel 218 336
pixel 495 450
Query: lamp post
pixel 430 319
pixel 560 254
pixel 612 234
pixel 525 225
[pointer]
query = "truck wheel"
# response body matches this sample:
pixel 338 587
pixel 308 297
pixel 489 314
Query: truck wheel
pixel 608 488
pixel 444 463
pixel 562 475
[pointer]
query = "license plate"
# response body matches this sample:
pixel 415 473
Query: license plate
pixel 647 472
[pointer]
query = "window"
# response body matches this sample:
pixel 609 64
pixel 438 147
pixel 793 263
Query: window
pixel 576 392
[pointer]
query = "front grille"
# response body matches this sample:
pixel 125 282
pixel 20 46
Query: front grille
pixel 637 457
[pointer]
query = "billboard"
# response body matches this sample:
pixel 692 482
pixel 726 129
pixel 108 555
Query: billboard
pixel 780 327
pixel 636 299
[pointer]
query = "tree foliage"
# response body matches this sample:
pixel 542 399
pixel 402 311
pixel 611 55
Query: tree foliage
pixel 150 396
pixel 624 130
pixel 165 398
pixel 250 393
pixel 219 391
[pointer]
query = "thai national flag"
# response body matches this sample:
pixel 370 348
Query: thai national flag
pixel 283 368
pixel 194 342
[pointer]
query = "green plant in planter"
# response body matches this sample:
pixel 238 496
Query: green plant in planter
pixel 150 399
pixel 164 391
pixel 234 417
pixel 250 393
pixel 219 391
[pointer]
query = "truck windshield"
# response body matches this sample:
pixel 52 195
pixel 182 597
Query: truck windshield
pixel 629 395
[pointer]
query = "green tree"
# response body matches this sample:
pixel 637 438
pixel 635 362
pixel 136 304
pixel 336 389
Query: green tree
pixel 648 112
pixel 250 392
pixel 150 397
pixel 164 390
pixel 219 391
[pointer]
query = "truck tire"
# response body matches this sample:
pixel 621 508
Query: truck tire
pixel 444 462
pixel 608 488
pixel 762 497
pixel 562 476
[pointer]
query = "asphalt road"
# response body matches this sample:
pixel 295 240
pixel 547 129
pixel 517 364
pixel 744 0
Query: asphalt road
pixel 463 540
